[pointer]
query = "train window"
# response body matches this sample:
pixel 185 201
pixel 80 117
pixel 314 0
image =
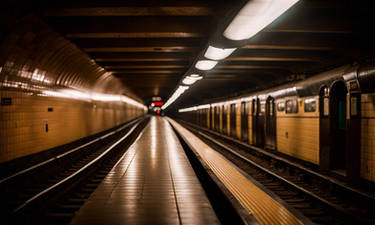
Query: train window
pixel 310 105
pixel 281 106
pixel 292 106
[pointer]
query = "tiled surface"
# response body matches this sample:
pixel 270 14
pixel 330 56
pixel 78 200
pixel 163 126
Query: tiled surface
pixel 22 124
pixel 266 210
pixel 154 183
pixel 40 69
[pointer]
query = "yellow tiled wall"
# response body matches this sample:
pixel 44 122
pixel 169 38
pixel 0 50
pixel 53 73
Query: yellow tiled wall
pixel 23 123
pixel 298 134
pixel 368 137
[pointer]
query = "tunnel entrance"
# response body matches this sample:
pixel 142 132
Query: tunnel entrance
pixel 338 126
pixel 245 121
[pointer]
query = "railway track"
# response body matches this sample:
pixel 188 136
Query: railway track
pixel 50 192
pixel 322 199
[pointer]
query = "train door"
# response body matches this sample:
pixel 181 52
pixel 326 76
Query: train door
pixel 244 121
pixel 254 112
pixel 233 120
pixel 260 123
pixel 213 119
pixel 270 117
pixel 204 118
pixel 324 129
pixel 338 122
pixel 199 117
pixel 216 118
pixel 224 119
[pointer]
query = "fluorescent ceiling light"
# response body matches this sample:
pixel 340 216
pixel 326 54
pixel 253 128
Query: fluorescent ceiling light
pixel 205 64
pixel 218 53
pixel 191 79
pixel 181 89
pixel 255 16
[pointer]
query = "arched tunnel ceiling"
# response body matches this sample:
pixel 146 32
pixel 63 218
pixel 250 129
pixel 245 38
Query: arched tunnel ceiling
pixel 150 45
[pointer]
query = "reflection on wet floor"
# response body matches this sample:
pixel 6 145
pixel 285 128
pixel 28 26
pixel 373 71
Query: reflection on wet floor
pixel 154 183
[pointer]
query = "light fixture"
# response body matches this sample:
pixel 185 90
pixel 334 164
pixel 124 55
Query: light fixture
pixel 194 108
pixel 191 79
pixel 218 53
pixel 255 16
pixel 181 89
pixel 85 96
pixel 205 64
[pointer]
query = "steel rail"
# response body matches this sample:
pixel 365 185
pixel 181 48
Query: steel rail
pixel 66 153
pixel 315 196
pixel 27 202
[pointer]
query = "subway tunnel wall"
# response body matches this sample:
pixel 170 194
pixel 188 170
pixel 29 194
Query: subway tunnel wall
pixel 53 94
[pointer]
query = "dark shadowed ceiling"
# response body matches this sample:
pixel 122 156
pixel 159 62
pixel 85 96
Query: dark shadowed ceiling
pixel 150 45
pixel 311 37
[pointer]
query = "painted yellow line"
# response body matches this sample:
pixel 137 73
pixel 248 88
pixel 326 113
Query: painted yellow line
pixel 266 210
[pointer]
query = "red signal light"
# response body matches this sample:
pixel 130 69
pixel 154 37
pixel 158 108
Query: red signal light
pixel 158 103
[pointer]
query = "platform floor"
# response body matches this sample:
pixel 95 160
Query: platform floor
pixel 265 207
pixel 153 183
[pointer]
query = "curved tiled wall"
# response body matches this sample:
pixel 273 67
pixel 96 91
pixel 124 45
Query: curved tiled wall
pixel 52 93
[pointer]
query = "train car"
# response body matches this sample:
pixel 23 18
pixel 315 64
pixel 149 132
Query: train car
pixel 327 120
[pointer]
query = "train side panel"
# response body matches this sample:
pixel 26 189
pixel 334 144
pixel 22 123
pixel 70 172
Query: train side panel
pixel 298 133
pixel 250 124
pixel 228 120
pixel 220 120
pixel 212 121
pixel 207 112
pixel 368 137
pixel 27 127
pixel 238 120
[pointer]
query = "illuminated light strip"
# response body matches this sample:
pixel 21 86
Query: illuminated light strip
pixel 205 64
pixel 181 89
pixel 79 95
pixel 214 53
pixel 255 16
pixel 195 108
pixel 189 80
pixel 252 18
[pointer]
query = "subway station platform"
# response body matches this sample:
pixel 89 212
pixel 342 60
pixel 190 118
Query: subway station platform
pixel 153 183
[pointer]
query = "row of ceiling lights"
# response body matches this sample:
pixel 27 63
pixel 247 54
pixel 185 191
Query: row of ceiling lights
pixel 251 19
